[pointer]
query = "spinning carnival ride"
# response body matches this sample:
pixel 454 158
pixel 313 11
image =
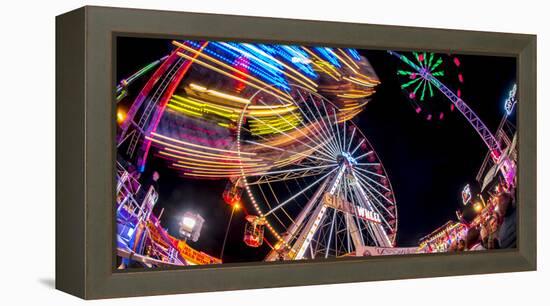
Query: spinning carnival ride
pixel 421 92
pixel 273 120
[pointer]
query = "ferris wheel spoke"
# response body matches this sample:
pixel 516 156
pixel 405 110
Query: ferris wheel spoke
pixel 350 140
pixel 323 127
pixel 330 233
pixel 323 119
pixel 363 155
pixel 319 136
pixel 285 177
pixel 277 201
pixel 370 179
pixel 332 126
pixel 338 132
pixel 357 146
pixel 366 198
pixel 375 208
pixel 304 169
pixel 291 137
pixel 367 187
pixel 318 115
pixel 372 173
pixel 320 133
pixel 300 130
pixel 344 146
pixel 300 192
pixel 368 164
pixel 290 151
pixel 277 160
pixel 269 205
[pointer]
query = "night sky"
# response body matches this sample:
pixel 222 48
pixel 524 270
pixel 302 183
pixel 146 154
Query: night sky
pixel 428 162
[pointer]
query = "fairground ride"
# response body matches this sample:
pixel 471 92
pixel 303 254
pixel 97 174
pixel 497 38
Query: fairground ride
pixel 263 117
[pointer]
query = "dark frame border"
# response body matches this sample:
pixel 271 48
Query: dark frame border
pixel 85 155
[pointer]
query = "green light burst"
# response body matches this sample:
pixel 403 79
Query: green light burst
pixel 426 61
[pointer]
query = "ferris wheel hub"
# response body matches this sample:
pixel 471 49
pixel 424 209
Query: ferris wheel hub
pixel 347 159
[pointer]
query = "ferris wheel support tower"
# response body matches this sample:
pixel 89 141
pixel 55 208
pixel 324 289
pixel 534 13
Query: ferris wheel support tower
pixel 317 210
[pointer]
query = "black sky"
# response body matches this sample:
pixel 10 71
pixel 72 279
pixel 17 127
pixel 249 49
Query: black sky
pixel 428 162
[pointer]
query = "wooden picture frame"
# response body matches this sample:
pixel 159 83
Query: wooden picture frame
pixel 85 153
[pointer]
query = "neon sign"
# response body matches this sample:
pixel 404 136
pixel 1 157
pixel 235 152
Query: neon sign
pixel 511 101
pixel 466 194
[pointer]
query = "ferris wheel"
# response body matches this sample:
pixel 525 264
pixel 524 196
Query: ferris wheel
pixel 323 191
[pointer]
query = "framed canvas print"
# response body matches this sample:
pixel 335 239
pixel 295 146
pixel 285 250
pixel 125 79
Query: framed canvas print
pixel 202 152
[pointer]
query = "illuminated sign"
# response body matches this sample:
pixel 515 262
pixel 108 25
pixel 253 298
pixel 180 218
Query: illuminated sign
pixel 345 206
pixel 511 101
pixel 466 194
pixel 195 257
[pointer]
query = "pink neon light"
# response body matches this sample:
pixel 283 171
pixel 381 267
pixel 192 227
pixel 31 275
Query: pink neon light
pixel 457 61
pixel 164 101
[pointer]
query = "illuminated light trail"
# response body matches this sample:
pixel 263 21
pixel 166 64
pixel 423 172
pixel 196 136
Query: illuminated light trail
pixel 349 58
pixel 232 69
pixel 312 85
pixel 330 67
pixel 203 157
pixel 233 77
pixel 342 60
pixel 218 94
pixel 162 103
pixel 199 146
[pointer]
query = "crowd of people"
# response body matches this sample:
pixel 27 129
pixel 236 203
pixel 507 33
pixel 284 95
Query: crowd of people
pixel 494 228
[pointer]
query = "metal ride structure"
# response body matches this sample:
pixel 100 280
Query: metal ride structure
pixel 427 75
pixel 326 193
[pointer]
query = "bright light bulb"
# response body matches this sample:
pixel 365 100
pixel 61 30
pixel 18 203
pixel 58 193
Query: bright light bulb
pixel 189 222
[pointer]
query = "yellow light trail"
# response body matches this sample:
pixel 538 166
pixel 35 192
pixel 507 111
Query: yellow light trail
pixel 199 146
pixel 201 162
pixel 252 110
pixel 214 156
pixel 218 94
pixel 218 167
pixel 201 153
pixel 342 60
pixel 321 60
pixel 349 58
